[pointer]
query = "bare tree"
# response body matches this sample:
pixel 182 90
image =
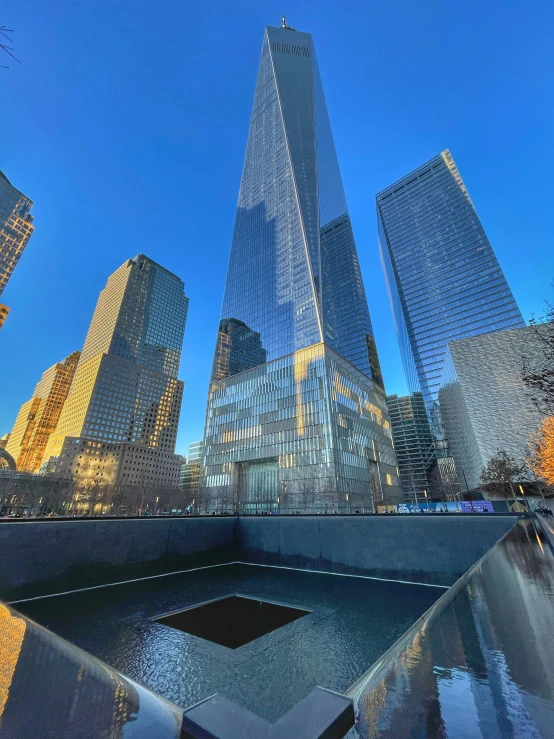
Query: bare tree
pixel 328 494
pixel 94 494
pixel 4 47
pixel 117 499
pixel 499 474
pixel 307 494
pixel 539 377
pixel 203 499
pixel 221 498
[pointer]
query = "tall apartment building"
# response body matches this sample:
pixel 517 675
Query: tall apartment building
pixel 296 410
pixel 485 405
pixel 120 420
pixel 413 442
pixel 38 417
pixel 16 228
pixel 444 280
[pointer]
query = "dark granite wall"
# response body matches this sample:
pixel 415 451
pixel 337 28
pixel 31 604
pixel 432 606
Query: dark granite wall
pixel 43 557
pixel 422 548
pixel 38 558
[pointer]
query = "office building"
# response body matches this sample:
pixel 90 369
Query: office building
pixel 413 443
pixel 38 417
pixel 119 423
pixel 296 410
pixel 485 405
pixel 444 280
pixel 190 472
pixel 16 228
pixel 4 310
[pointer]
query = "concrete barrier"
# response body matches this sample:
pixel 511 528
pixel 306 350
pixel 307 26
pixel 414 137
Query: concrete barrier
pixel 433 549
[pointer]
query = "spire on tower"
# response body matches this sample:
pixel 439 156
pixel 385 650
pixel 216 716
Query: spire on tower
pixel 284 25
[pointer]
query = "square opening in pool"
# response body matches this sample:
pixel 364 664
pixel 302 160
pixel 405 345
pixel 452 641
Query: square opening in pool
pixel 232 621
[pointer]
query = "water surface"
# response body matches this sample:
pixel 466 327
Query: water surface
pixel 352 621
pixel 482 667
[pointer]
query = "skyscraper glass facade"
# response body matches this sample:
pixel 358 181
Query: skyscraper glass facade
pixel 293 282
pixel 413 442
pixel 294 277
pixel 16 228
pixel 305 431
pixel 125 398
pixel 443 277
pixel 190 474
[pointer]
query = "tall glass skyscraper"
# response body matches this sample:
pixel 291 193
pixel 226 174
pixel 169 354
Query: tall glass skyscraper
pixel 443 277
pixel 296 405
pixel 119 422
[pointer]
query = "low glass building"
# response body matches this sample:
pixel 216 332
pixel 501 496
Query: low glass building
pixel 303 432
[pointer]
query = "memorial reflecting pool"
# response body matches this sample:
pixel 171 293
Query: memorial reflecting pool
pixel 351 622
pixel 481 663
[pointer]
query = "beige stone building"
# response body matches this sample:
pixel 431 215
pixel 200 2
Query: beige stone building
pixel 119 424
pixel 38 417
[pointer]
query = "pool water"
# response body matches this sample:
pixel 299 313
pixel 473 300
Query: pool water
pixel 350 622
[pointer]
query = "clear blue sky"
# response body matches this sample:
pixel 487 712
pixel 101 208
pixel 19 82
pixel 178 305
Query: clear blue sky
pixel 126 123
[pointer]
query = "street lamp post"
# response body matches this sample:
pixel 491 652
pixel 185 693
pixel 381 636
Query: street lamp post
pixel 426 499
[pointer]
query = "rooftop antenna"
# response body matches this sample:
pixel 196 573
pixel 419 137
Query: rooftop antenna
pixel 284 24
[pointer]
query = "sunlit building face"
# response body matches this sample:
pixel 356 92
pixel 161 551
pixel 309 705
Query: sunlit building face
pixel 295 327
pixel 38 417
pixel 120 420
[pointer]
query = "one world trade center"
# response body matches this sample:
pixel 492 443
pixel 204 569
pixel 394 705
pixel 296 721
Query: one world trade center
pixel 296 414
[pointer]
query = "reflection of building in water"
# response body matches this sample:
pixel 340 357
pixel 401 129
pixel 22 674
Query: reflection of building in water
pixel 296 414
pixel 238 349
pixel 49 688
